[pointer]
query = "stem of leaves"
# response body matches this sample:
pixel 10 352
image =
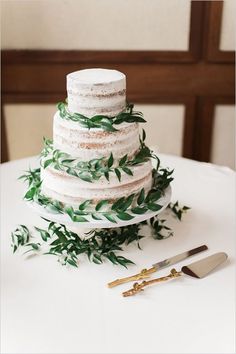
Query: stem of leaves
pixel 98 245
pixel 124 208
pixel 101 121
pixel 177 210
pixel 94 169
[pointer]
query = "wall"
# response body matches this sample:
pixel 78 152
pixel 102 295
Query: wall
pixel 87 24
pixel 95 24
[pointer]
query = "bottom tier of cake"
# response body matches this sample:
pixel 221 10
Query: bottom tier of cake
pixel 72 190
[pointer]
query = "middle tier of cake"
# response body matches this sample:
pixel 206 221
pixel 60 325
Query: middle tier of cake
pixel 89 145
pixel 85 144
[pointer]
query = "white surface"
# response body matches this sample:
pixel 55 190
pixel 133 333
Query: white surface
pixel 50 309
pixel 93 24
pixel 227 36
pixel 66 220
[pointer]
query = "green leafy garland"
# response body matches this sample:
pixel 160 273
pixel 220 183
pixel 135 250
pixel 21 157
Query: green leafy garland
pixel 124 208
pixel 94 169
pixel 98 244
pixel 101 121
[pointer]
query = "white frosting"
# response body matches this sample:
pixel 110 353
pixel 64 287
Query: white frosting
pixel 62 182
pixel 96 91
pixel 80 142
pixel 72 190
pixel 91 92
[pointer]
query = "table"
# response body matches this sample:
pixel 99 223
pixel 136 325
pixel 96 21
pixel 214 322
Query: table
pixel 47 308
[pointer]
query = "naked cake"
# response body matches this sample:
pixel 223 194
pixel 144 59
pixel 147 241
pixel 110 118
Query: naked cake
pixel 98 166
pixel 96 92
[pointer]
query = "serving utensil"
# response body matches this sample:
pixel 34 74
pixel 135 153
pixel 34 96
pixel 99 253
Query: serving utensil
pixel 197 269
pixel 145 273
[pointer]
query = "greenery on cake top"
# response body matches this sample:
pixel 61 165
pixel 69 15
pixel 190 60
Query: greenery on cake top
pixel 102 121
pixel 94 169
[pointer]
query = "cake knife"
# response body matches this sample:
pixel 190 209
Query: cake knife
pixel 145 273
pixel 197 269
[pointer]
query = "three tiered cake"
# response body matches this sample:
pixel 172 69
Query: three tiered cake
pixel 98 167
pixel 96 92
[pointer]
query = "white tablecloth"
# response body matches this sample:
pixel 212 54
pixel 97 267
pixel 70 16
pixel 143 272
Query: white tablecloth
pixel 47 308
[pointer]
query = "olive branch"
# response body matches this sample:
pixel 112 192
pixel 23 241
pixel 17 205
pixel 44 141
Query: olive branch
pixel 98 244
pixel 102 121
pixel 94 169
pixel 124 208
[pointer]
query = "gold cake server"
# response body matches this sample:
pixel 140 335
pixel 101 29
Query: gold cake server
pixel 197 269
pixel 145 273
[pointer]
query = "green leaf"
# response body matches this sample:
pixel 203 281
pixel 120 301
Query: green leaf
pixel 97 118
pixel 85 176
pixel 110 161
pixel 56 242
pixel 84 204
pixel 71 171
pixel 153 196
pixel 47 163
pixel 141 197
pixel 110 217
pixel 72 262
pixel 144 135
pixel 97 259
pixel 127 170
pixel 108 127
pixel 78 218
pixel 35 246
pixel 101 204
pixel 124 216
pixel 118 203
pixel 138 119
pixel 30 194
pixel 138 210
pixel 123 261
pixel 106 174
pixel 53 209
pixel 112 257
pixel 43 233
pixel 154 207
pixel 123 160
pixel 70 211
pixel 127 202
pixel 67 161
pixel 95 216
pixel 60 234
pixel 118 174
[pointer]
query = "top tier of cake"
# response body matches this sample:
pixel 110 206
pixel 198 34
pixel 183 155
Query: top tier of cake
pixel 96 91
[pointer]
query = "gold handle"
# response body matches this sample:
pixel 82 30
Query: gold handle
pixel 145 273
pixel 137 287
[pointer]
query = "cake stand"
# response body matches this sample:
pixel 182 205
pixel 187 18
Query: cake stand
pixel 91 224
